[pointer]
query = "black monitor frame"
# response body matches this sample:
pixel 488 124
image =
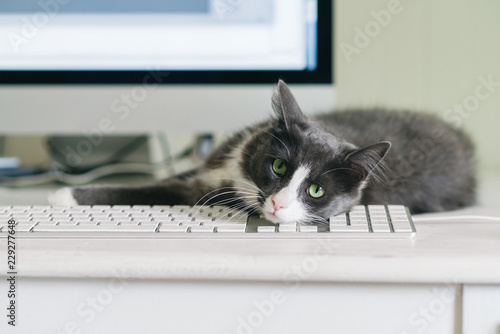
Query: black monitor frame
pixel 323 74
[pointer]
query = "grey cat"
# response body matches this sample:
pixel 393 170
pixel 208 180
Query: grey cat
pixel 293 168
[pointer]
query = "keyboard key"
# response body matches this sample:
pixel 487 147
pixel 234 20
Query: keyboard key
pixel 239 218
pixel 52 222
pixel 202 229
pixel 147 222
pixel 66 228
pixel 377 228
pixel 338 218
pixel 240 228
pixel 100 215
pixel 206 221
pixel 168 222
pixel 359 221
pixel 173 229
pixel 140 214
pixel 127 222
pixel 357 213
pixel 308 228
pixel 24 227
pixel 266 229
pixel 143 218
pixel 65 220
pixel 121 214
pixel 102 219
pixel 375 208
pixel 91 222
pixel 159 214
pixel 111 222
pixel 189 223
pixel 22 221
pixel 285 228
pixel 401 226
pixel 41 215
pixel 21 217
pixel 40 219
pixel 177 215
pixel 338 223
pixel 396 208
pixel 211 222
pixel 351 228
pixel 134 228
pixel 122 218
pixel 358 208
pixel 82 218
pixel 379 221
pixel 74 210
pixel 61 216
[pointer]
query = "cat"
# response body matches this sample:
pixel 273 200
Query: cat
pixel 293 168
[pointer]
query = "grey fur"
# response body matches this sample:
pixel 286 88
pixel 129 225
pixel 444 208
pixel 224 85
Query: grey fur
pixel 430 165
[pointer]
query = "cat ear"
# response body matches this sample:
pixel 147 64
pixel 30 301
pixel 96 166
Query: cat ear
pixel 367 158
pixel 285 106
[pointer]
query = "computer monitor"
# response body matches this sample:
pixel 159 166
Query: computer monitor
pixel 68 67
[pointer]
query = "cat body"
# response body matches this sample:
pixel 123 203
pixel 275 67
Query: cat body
pixel 296 169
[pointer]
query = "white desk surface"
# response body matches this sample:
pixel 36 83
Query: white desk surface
pixel 443 251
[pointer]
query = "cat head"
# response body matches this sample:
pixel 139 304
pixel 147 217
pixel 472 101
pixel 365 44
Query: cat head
pixel 304 172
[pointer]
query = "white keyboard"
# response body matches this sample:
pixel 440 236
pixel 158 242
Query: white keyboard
pixel 373 221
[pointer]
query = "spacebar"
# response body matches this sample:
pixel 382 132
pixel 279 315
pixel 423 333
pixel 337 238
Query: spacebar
pixel 95 228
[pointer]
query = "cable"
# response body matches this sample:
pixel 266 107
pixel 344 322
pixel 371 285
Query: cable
pixel 72 179
pixel 59 155
pixel 422 219
pixel 168 160
pixel 64 176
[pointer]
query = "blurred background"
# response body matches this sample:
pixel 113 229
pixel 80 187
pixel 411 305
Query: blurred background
pixel 90 90
pixel 431 57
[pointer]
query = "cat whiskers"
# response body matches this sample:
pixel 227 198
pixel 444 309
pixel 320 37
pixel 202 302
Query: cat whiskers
pixel 226 201
pixel 244 208
pixel 239 209
pixel 253 190
pixel 234 190
pixel 208 194
pixel 316 219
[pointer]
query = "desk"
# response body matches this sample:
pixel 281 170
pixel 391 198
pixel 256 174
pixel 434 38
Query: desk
pixel 446 280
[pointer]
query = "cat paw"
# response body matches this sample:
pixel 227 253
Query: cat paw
pixel 63 197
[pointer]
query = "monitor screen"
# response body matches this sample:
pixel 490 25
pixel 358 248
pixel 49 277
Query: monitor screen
pixel 195 41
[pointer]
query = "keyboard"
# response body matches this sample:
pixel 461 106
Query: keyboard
pixel 372 221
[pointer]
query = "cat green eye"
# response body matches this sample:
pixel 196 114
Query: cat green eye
pixel 315 191
pixel 279 167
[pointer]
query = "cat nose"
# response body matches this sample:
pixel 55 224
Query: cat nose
pixel 277 203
